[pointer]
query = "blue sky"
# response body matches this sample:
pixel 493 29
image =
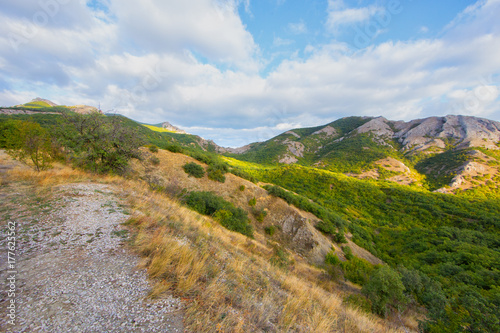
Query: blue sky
pixel 240 71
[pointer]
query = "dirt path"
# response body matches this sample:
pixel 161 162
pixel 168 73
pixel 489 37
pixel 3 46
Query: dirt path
pixel 74 272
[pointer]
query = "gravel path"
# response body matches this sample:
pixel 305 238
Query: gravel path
pixel 74 273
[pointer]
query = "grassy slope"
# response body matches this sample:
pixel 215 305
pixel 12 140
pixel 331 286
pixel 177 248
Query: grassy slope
pixel 225 279
pixel 157 129
pixel 37 104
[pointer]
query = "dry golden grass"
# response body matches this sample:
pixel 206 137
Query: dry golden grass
pixel 225 279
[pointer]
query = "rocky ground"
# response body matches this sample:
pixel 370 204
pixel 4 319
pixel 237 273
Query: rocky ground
pixel 74 271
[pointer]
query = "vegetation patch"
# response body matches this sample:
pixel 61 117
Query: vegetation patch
pixel 229 216
pixel 194 169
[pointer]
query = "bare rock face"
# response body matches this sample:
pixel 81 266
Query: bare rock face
pixel 329 131
pixel 295 148
pixel 169 127
pixel 378 126
pixel 464 131
pixel 293 133
pixel 303 238
pixel 287 159
pixel 239 150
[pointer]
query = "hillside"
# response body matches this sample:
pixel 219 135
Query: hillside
pixel 197 269
pixel 446 153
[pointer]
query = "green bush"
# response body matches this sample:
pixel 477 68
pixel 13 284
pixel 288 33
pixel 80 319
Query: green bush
pixel 357 270
pixel 229 216
pixel 174 148
pixel 216 175
pixel 217 171
pixel 339 237
pixel 281 258
pixel 194 170
pixel 359 302
pixel 154 160
pixel 153 148
pixel 260 215
pixel 252 202
pixel 332 259
pixel 28 141
pixel 347 252
pixel 384 289
pixel 242 188
pixel 270 230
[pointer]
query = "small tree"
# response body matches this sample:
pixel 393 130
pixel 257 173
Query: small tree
pixel 28 141
pixel 99 143
pixel 384 289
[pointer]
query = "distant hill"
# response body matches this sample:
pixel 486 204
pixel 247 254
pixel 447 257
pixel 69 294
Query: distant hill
pixel 452 152
pixel 39 102
pixel 44 105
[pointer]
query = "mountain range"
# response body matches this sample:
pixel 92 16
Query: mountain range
pixel 448 153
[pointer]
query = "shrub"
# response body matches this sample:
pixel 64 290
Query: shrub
pixel 154 160
pixel 252 202
pixel 270 230
pixel 357 270
pixel 216 175
pixel 174 148
pixel 202 157
pixel 339 237
pixel 281 258
pixel 153 148
pixel 384 289
pixel 332 259
pixel 260 214
pixel 216 171
pixel 229 216
pixel 242 188
pixel 359 302
pixel 347 252
pixel 194 170
pixel 29 141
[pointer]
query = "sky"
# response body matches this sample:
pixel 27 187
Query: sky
pixel 241 71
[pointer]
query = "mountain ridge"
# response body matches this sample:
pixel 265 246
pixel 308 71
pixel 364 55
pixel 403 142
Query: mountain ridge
pixel 374 147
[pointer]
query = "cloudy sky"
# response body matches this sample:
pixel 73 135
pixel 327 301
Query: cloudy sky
pixel 239 71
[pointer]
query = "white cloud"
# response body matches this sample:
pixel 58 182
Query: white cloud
pixel 156 62
pixel 297 28
pixel 211 28
pixel 282 42
pixel 339 14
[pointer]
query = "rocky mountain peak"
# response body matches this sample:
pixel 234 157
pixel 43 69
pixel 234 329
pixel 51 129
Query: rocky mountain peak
pixel 169 127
